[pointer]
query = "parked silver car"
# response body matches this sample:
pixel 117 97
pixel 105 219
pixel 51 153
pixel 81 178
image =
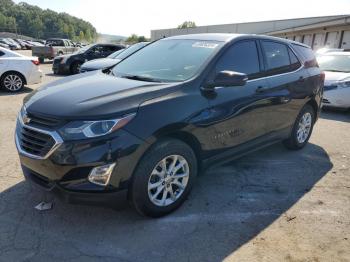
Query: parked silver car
pixel 336 66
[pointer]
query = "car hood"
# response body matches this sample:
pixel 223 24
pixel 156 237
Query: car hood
pixel 92 95
pixel 333 77
pixel 100 63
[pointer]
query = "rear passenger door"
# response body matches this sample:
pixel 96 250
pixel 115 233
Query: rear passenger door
pixel 286 84
pixel 240 114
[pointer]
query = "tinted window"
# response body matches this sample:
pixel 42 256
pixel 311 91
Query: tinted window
pixel 295 64
pixel 307 54
pixel 277 57
pixel 241 57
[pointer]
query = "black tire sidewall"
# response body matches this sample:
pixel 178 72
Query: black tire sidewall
pixel 139 190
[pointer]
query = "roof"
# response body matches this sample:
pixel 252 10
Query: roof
pixel 228 37
pixel 207 37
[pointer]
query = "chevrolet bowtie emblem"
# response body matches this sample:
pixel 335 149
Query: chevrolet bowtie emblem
pixel 26 119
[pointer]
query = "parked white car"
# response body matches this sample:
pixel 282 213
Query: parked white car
pixel 336 66
pixel 17 70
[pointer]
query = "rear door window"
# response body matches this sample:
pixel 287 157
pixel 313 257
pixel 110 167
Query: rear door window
pixel 241 57
pixel 276 56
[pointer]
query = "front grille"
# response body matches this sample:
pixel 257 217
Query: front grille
pixel 331 87
pixel 39 121
pixel 35 142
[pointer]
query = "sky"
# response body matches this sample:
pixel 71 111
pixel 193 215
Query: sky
pixel 141 16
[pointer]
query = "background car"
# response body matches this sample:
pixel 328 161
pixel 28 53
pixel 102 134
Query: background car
pixel 112 59
pixel 70 64
pixel 11 46
pixel 336 66
pixel 17 70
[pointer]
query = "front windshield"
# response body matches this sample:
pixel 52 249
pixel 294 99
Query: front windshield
pixel 167 60
pixel 335 63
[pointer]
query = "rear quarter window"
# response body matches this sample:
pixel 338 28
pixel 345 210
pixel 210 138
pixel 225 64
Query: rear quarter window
pixel 306 54
pixel 2 53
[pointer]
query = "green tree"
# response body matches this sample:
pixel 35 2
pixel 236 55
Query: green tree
pixel 81 36
pixel 187 24
pixel 136 39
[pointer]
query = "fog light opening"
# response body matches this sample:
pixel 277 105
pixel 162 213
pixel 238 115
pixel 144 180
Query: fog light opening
pixel 101 175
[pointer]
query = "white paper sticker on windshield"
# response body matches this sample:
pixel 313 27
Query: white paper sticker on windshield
pixel 205 44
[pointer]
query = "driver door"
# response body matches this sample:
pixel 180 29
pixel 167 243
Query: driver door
pixel 239 112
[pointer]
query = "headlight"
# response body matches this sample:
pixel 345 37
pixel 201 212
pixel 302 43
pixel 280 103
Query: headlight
pixel 88 129
pixel 344 83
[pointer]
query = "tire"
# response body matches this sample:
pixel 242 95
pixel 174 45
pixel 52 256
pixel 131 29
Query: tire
pixel 12 82
pixel 75 68
pixel 302 129
pixel 145 177
pixel 41 60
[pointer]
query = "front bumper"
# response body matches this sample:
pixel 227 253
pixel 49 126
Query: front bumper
pixel 65 171
pixel 337 98
pixel 105 198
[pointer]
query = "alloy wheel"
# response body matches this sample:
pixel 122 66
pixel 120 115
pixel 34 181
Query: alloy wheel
pixel 13 82
pixel 168 180
pixel 304 127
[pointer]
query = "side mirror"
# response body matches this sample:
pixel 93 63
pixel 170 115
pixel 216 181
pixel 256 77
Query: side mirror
pixel 226 79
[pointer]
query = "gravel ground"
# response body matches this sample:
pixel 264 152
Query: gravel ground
pixel 272 205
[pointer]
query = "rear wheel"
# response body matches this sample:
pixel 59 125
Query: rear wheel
pixel 12 82
pixel 163 178
pixel 302 129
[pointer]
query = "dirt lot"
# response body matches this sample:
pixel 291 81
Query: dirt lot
pixel 273 205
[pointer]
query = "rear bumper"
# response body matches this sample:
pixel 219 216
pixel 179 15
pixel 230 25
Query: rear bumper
pixel 35 77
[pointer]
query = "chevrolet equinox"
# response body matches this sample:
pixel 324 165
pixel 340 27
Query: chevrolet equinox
pixel 142 129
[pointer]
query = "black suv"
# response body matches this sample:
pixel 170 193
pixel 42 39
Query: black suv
pixel 144 128
pixel 70 64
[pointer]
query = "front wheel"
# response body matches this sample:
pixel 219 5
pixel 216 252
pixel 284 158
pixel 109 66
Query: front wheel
pixel 163 178
pixel 302 129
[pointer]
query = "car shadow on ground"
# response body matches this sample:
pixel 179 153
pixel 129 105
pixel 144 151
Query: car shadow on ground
pixel 25 90
pixel 228 206
pixel 336 115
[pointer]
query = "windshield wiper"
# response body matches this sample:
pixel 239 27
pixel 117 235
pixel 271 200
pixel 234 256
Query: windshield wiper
pixel 140 78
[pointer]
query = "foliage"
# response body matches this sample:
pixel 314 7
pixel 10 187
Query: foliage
pixel 136 39
pixel 35 22
pixel 187 24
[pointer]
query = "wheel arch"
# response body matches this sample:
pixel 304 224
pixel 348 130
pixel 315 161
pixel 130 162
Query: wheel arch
pixel 314 105
pixel 14 71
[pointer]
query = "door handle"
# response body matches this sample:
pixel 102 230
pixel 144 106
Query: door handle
pixel 261 89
